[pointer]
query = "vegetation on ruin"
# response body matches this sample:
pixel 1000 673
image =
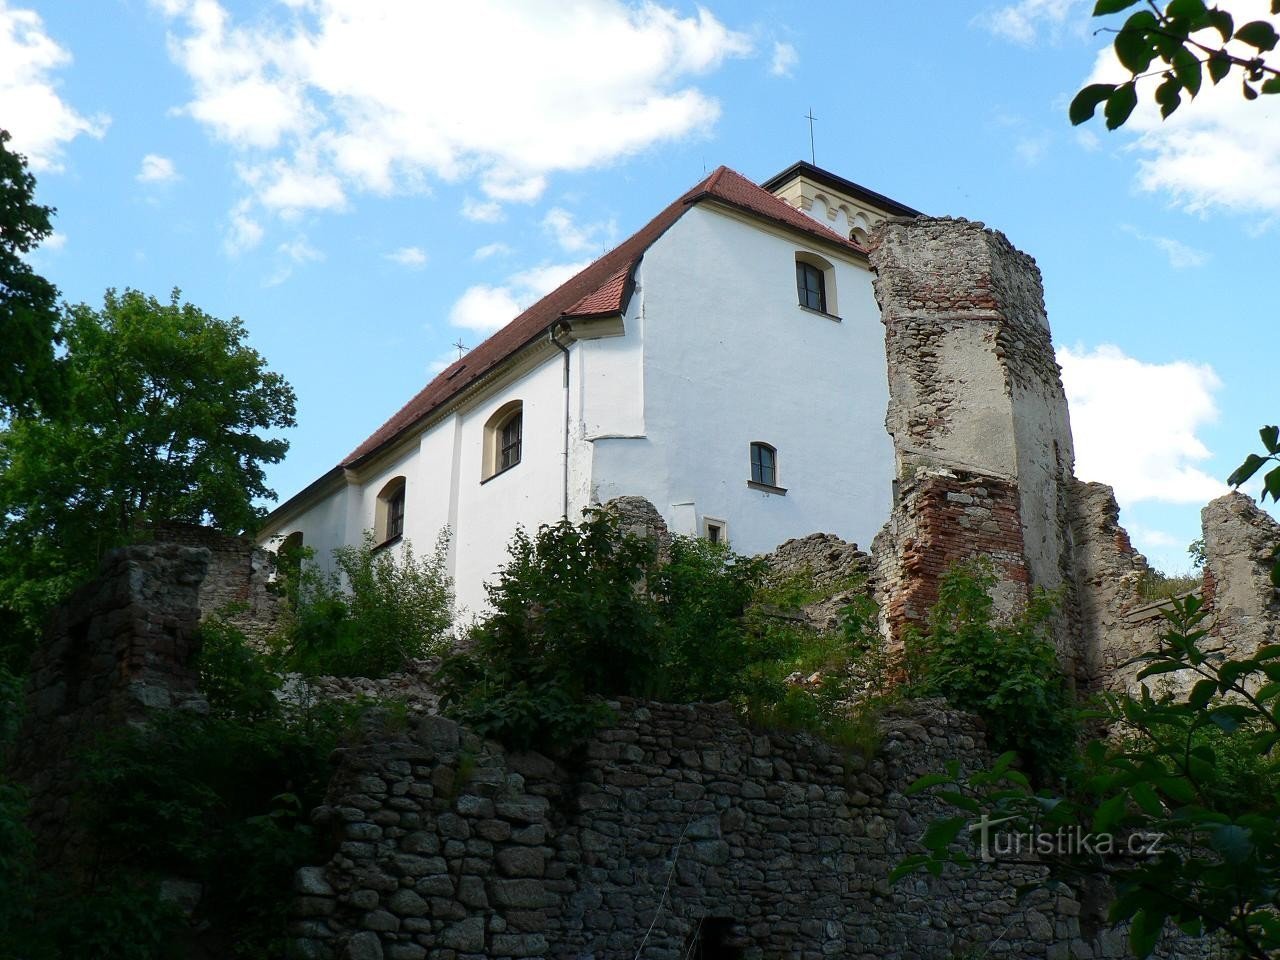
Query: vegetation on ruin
pixel 371 614
pixel 1198 769
pixel 1009 674
pixel 586 612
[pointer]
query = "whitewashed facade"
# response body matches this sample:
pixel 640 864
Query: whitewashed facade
pixel 690 352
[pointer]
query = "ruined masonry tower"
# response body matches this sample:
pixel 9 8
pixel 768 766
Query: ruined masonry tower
pixel 978 418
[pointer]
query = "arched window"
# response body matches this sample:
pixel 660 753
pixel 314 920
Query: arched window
pixel 503 439
pixel 815 283
pixel 388 520
pixel 764 464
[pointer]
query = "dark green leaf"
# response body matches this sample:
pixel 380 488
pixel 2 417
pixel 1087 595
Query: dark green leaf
pixel 1271 85
pixel 1145 931
pixel 1258 33
pixel 1252 464
pixel 1219 66
pixel 1186 67
pixel 1104 7
pixel 1221 21
pixel 1235 843
pixel 1109 813
pixel 1169 96
pixel 1134 47
pixel 1249 92
pixel 1120 104
pixel 1270 438
pixel 940 834
pixel 1087 100
pixel 1202 693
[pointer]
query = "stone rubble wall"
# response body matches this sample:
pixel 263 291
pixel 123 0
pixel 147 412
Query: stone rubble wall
pixel 832 566
pixel 448 847
pixel 975 392
pixel 237 587
pixel 120 647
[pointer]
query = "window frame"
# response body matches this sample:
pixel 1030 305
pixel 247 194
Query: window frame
pixel 757 479
pixel 809 264
pixel 390 512
pixel 501 450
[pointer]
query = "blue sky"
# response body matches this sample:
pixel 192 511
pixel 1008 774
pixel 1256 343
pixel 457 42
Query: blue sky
pixel 365 182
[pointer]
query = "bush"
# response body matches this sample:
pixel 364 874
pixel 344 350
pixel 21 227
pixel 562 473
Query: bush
pixel 220 799
pixel 370 616
pixel 585 612
pixel 1008 674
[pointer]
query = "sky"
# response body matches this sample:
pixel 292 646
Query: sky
pixel 367 182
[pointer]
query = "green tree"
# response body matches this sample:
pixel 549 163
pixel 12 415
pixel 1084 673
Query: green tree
pixel 29 373
pixel 1180 41
pixel 164 419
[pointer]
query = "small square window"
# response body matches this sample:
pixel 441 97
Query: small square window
pixel 715 531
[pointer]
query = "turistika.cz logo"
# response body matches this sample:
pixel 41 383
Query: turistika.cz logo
pixel 995 844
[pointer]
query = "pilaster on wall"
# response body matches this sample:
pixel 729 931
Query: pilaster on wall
pixel 975 402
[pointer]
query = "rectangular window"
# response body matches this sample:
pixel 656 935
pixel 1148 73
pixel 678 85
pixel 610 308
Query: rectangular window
pixel 811 286
pixel 764 464
pixel 511 440
pixel 395 515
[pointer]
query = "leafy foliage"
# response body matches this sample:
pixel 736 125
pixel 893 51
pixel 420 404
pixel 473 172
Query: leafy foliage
pixel 584 612
pixel 30 375
pixel 1199 770
pixel 1179 40
pixel 1008 674
pixel 163 420
pixel 372 614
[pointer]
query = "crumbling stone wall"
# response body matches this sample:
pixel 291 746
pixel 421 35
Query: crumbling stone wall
pixel 1240 541
pixel 676 816
pixel 975 393
pixel 943 517
pixel 118 648
pixel 834 568
pixel 237 586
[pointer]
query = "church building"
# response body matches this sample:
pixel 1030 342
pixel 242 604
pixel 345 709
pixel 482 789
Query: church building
pixel 726 362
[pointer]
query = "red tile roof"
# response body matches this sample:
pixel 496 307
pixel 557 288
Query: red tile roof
pixel 599 290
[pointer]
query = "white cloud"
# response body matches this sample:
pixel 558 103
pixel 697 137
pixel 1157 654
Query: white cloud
pixel 294 253
pixel 484 308
pixel 1218 152
pixel 31 109
pixel 1024 21
pixel 572 236
pixel 491 250
pixel 1031 150
pixel 156 169
pixel 1087 139
pixel 1135 424
pixel 1150 537
pixel 482 211
pixel 415 258
pixel 244 232
pixel 1181 256
pixel 785 58
pixel 54 241
pixel 335 97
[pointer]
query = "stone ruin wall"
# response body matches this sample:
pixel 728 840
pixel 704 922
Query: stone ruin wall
pixel 118 648
pixel 978 417
pixel 675 820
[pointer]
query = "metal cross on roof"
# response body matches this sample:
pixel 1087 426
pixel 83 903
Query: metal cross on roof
pixel 810 117
pixel 461 347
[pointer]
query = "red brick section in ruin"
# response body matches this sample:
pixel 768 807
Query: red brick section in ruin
pixel 945 519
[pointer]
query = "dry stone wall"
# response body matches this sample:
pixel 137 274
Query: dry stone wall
pixel 676 823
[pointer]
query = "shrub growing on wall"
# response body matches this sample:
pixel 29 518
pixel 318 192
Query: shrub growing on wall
pixel 371 615
pixel 1008 674
pixel 584 612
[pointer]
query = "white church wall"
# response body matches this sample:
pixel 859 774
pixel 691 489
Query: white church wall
pixel 730 358
pixel 527 495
